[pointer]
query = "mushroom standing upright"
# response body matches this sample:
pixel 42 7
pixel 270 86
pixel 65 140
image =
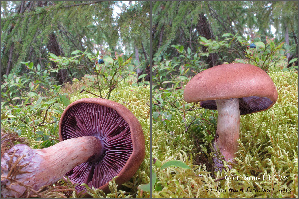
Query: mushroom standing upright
pixel 232 89
pixel 100 139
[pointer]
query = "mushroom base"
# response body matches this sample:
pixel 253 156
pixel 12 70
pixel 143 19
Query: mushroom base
pixel 23 167
pixel 227 134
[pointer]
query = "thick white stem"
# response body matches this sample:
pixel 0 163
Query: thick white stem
pixel 42 167
pixel 228 127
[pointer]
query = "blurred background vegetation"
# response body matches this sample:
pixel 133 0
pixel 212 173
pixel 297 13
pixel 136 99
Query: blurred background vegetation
pixel 182 22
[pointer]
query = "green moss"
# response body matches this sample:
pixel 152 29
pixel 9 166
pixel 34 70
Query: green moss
pixel 137 100
pixel 267 159
pixel 41 130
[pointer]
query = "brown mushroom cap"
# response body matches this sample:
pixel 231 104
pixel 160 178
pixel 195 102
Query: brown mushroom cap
pixel 251 84
pixel 117 128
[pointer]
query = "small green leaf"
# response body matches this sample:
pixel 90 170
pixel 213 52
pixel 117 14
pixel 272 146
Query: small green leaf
pixel 154 178
pixel 31 94
pixel 39 132
pixel 203 39
pixel 120 60
pixel 181 48
pixel 227 35
pixel 146 187
pixel 26 63
pixel 175 163
pixel 158 163
pixel 82 87
pixel 108 59
pixel 76 52
pixel 182 78
pixel 30 66
pixel 156 115
pixel 38 67
pixel 167 63
pixel 166 82
pixel 65 100
pixel 142 76
pixel 16 98
pixel 189 50
pixel 168 116
pixel 260 44
pixel 293 60
pixel 31 86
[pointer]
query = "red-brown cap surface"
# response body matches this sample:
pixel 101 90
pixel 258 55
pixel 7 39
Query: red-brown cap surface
pixel 249 83
pixel 119 131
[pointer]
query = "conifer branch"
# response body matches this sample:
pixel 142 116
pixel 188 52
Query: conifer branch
pixel 45 9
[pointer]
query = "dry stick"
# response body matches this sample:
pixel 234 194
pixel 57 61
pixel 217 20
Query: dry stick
pixel 88 92
pixel 42 123
pixel 189 125
pixel 219 179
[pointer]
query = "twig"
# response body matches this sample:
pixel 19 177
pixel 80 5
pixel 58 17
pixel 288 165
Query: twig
pixel 190 125
pixel 219 179
pixel 88 92
pixel 42 123
pixel 47 9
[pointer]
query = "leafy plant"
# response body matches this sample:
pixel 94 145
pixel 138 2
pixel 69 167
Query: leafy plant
pixel 104 77
pixel 38 122
pixel 265 54
pixel 267 156
pixel 155 182
pixel 111 73
pixel 19 89
pixel 228 47
pixel 31 105
pixel 169 78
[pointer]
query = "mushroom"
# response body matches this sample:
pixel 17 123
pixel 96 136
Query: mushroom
pixel 100 139
pixel 232 89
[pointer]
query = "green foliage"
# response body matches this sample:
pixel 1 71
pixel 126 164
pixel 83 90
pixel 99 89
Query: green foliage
pixel 265 55
pixel 178 22
pixel 31 105
pixel 18 89
pixel 156 184
pixel 228 46
pixel 105 77
pixel 38 122
pixel 134 22
pixel 266 159
pixel 168 73
pixel 169 76
pixel 191 60
pixel 109 75
pixel 33 29
pixel 136 99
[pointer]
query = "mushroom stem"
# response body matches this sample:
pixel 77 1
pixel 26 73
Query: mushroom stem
pixel 228 127
pixel 22 165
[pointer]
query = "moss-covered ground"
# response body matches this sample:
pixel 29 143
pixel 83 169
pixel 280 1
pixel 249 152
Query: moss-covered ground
pixel 266 162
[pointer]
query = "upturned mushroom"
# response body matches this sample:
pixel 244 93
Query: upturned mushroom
pixel 100 139
pixel 232 89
